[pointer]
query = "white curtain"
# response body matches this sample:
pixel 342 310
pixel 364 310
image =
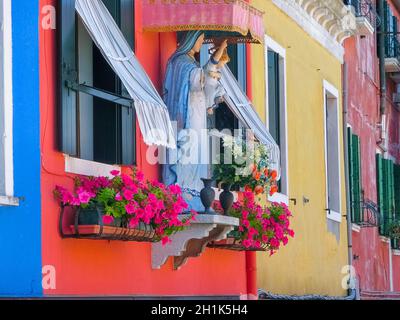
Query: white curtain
pixel 152 114
pixel 243 109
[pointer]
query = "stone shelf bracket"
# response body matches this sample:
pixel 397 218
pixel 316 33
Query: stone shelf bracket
pixel 192 241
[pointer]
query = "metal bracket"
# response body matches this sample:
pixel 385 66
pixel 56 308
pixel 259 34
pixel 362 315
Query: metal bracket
pixel 102 94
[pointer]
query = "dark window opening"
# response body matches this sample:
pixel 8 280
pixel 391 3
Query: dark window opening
pixel 92 126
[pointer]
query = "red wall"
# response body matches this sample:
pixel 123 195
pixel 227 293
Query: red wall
pixel 90 268
pixel 372 261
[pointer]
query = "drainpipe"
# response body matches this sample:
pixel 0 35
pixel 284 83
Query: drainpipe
pixel 382 75
pixel 346 164
pixel 251 257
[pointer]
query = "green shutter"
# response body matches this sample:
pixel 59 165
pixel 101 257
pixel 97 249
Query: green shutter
pixel 354 176
pixel 380 191
pixel 67 74
pixel 396 177
pixel 389 21
pixel 356 179
pixel 391 193
pixel 351 172
pixel 386 196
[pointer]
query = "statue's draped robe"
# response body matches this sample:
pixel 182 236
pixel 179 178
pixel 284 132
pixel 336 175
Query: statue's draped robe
pixel 186 101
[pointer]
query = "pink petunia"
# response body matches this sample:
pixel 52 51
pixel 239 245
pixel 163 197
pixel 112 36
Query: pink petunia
pixel 84 197
pixel 130 208
pixel 175 189
pixel 140 176
pixel 165 241
pixel 115 173
pixel 118 197
pixel 107 220
pixel 247 243
pixel 128 194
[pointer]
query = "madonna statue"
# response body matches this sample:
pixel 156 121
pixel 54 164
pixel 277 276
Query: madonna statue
pixel 185 97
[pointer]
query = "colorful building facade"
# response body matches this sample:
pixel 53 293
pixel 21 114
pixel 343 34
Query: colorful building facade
pixel 372 121
pixel 84 268
pixel 298 90
pixel 314 82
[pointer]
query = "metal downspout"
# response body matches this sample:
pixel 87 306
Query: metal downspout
pixel 346 165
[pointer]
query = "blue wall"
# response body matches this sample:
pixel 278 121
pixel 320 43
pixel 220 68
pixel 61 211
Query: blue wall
pixel 20 227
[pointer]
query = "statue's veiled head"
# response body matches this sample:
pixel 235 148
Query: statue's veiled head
pixel 192 42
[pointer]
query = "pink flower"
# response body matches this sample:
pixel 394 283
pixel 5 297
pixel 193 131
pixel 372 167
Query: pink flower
pixel 253 232
pixel 175 189
pixel 140 176
pixel 128 194
pixel 75 202
pixel 247 243
pixel 165 241
pixel 274 243
pixel 118 197
pixel 130 208
pixel 133 223
pixel 115 173
pixel 127 180
pixel 84 197
pixel 108 220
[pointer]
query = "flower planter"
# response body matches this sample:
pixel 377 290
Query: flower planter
pixel 233 244
pixel 94 216
pixel 88 226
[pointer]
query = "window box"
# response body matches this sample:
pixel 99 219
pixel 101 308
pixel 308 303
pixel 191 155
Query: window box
pixel 73 226
pixel 233 243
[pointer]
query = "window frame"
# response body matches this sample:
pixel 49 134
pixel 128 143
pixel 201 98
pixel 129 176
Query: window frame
pixel 69 118
pixel 272 45
pixel 329 89
pixel 6 109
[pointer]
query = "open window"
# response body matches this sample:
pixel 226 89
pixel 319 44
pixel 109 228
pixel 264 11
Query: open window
pixel 103 87
pixel 332 152
pixel 276 111
pixel 94 126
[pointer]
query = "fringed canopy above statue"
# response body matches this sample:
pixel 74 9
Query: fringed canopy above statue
pixel 234 20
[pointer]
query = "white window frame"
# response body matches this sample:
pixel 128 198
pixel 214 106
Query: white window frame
pixel 6 109
pixel 329 89
pixel 89 168
pixel 271 44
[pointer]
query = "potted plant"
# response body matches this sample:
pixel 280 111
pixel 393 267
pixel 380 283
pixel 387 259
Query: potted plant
pixel 244 165
pixel 261 228
pixel 127 201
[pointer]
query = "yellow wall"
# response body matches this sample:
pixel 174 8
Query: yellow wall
pixel 312 262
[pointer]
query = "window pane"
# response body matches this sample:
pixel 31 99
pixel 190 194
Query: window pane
pixel 274 96
pixel 332 149
pixel 105 127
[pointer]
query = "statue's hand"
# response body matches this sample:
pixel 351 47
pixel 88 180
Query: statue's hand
pixel 210 111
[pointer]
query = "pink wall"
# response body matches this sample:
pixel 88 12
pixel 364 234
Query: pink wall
pixel 372 263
